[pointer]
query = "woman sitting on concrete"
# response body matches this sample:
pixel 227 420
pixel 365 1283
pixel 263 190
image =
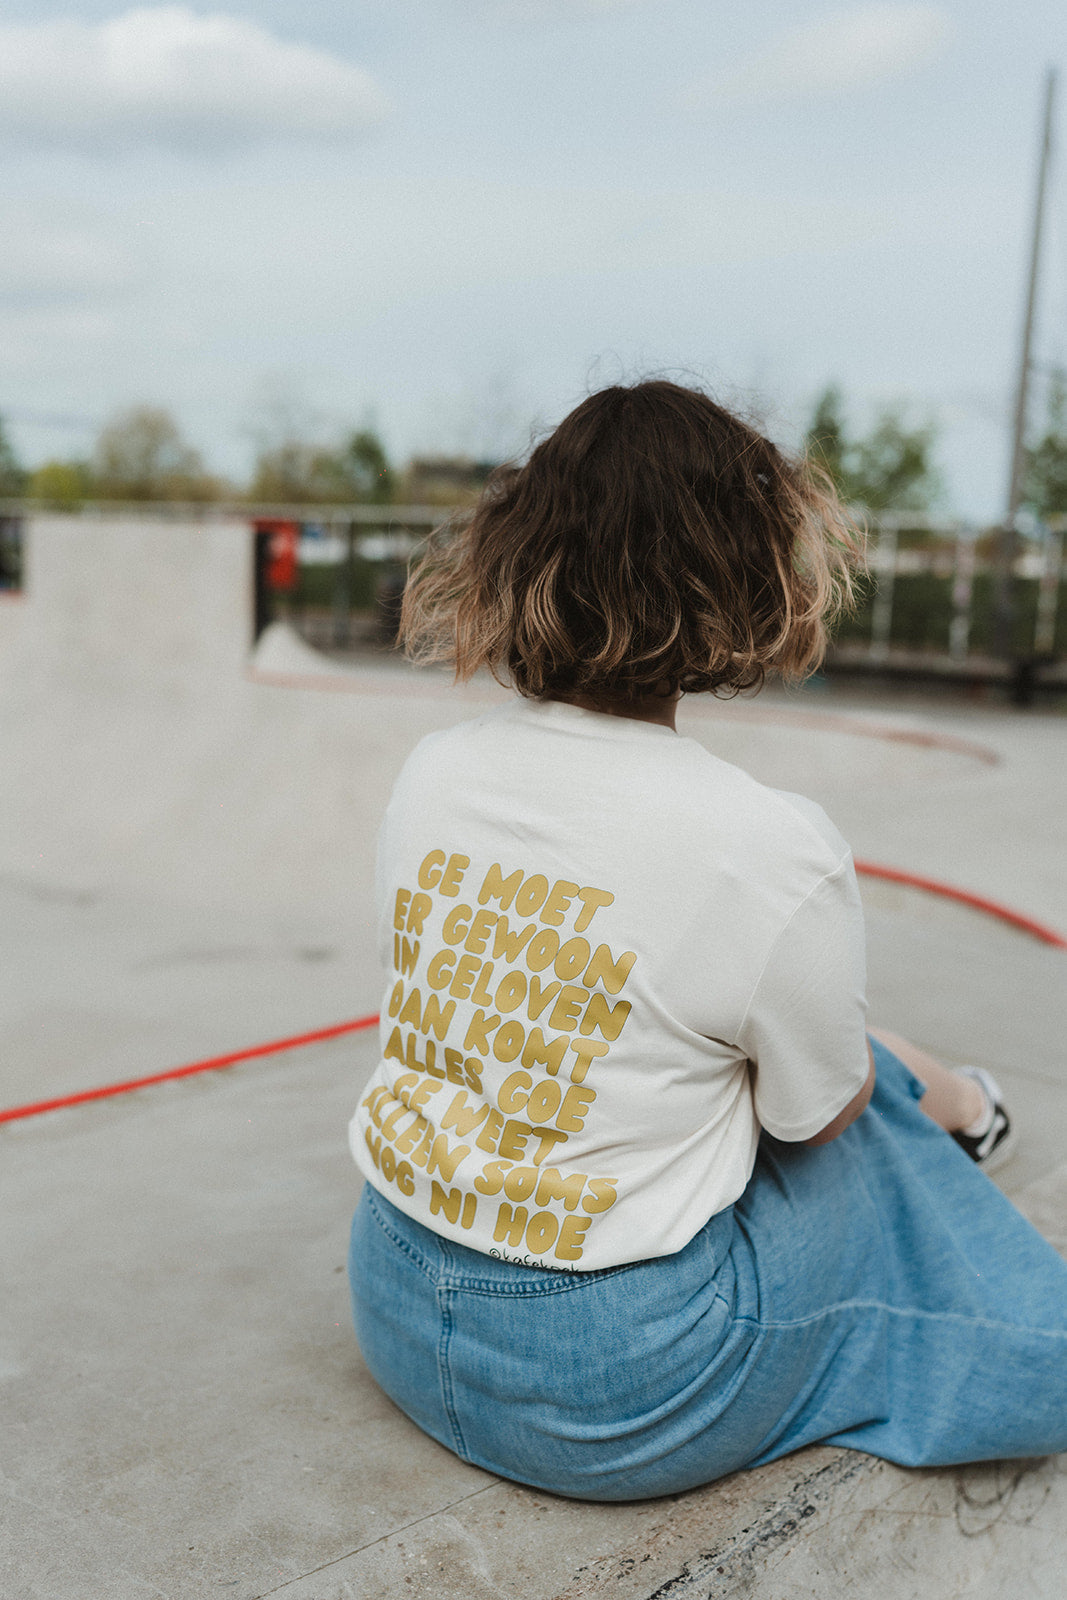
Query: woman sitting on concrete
pixel 643 1203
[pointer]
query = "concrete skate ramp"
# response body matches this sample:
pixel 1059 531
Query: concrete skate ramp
pixel 143 756
pixel 186 832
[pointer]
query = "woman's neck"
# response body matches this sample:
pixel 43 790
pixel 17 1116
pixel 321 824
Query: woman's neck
pixel 657 708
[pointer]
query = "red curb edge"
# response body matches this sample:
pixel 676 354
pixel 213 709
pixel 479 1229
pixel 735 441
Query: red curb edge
pixel 978 902
pixel 215 1064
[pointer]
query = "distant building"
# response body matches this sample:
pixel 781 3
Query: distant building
pixel 444 480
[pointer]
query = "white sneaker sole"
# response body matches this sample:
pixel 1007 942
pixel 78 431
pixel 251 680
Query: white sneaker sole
pixel 1001 1155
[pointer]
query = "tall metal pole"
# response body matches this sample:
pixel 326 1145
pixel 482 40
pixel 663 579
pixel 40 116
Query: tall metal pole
pixel 1003 607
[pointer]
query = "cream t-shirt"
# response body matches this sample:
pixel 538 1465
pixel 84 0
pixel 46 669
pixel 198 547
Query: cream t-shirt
pixel 612 958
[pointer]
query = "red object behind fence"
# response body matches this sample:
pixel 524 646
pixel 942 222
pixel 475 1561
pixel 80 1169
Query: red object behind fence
pixel 283 555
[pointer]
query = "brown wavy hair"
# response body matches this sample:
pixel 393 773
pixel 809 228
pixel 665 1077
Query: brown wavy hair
pixel 653 543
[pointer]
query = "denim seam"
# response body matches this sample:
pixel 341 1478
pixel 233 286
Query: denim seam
pixel 444 1371
pixel 903 1311
pixel 409 1249
pixel 445 1292
pixel 568 1282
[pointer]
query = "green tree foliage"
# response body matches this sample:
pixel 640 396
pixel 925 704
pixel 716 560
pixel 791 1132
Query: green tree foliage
pixel 141 455
pixel 363 470
pixel 12 475
pixel 888 469
pixel 295 472
pixel 891 468
pixel 1046 462
pixel 62 485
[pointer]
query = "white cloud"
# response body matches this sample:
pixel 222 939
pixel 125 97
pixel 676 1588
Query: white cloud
pixel 841 50
pixel 166 75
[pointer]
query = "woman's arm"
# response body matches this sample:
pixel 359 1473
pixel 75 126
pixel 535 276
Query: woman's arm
pixel 846 1117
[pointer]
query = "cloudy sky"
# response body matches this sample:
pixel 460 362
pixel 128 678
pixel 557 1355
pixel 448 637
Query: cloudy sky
pixel 453 217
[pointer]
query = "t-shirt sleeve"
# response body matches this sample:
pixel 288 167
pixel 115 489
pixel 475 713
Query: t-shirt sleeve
pixel 805 1026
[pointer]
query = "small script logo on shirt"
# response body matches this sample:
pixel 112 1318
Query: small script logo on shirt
pixel 529 1261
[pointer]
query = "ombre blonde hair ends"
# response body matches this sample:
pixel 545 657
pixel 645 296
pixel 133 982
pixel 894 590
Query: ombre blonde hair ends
pixel 654 543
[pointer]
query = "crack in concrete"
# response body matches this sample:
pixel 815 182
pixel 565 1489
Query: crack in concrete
pixel 735 1557
pixel 439 1511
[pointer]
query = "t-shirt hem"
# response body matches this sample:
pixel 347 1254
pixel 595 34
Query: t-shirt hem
pixel 819 1120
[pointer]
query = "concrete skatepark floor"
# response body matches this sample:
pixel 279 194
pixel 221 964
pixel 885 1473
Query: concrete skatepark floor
pixel 185 869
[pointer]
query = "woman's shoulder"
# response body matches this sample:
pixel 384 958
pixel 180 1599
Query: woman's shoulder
pixel 781 821
pixel 811 815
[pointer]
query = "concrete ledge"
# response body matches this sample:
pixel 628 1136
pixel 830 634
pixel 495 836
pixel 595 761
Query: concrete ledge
pixel 825 1522
pixel 853 1526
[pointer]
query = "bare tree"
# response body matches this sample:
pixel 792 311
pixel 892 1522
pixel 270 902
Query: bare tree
pixel 141 455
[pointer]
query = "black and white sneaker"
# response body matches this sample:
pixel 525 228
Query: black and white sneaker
pixel 990 1141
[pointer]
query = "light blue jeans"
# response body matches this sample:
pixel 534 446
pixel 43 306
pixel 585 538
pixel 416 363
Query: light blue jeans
pixel 877 1292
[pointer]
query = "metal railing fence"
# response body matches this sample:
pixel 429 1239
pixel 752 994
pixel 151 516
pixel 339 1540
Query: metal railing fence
pixel 928 595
